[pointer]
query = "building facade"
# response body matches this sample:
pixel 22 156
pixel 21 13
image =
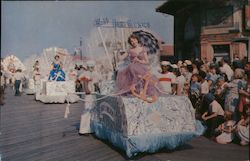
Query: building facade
pixel 207 29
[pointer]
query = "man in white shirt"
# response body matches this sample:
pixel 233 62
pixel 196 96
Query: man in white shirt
pixel 19 77
pixel 214 116
pixel 91 80
pixel 166 77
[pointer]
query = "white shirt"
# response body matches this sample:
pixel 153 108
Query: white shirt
pixel 166 79
pixel 94 77
pixel 216 108
pixel 204 87
pixel 188 76
pixel 19 76
pixel 227 70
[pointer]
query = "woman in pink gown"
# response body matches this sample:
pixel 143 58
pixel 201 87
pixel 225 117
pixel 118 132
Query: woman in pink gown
pixel 132 76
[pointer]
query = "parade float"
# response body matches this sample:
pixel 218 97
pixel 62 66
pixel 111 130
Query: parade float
pixel 56 87
pixel 10 64
pixel 45 88
pixel 136 123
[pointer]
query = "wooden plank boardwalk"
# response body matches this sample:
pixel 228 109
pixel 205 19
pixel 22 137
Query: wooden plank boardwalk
pixel 33 131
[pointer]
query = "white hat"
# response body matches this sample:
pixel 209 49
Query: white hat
pixel 188 62
pixel 174 66
pixel 179 62
pixel 90 63
pixel 165 63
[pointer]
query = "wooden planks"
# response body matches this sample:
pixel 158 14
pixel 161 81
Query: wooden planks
pixel 33 131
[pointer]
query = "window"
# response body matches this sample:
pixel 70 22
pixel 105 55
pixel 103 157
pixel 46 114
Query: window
pixel 221 51
pixel 219 17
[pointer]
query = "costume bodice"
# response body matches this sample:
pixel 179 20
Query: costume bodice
pixel 56 65
pixel 133 54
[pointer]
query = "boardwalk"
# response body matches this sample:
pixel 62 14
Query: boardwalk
pixel 33 131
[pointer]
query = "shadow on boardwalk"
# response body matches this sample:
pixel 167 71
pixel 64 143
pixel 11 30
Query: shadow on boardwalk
pixel 33 131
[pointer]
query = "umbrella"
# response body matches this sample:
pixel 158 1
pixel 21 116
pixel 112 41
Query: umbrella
pixel 148 40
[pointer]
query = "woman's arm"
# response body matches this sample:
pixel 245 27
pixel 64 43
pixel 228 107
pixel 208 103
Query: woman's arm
pixel 179 89
pixel 211 116
pixel 122 57
pixel 240 122
pixel 52 66
pixel 204 116
pixel 61 65
pixel 145 61
pixel 244 93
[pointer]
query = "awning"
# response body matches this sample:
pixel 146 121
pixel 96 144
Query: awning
pixel 241 39
pixel 173 6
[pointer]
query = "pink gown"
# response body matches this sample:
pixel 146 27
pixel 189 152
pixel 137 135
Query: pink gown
pixel 130 75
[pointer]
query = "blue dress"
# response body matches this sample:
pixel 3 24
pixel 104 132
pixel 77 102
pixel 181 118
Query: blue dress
pixel 232 97
pixel 57 74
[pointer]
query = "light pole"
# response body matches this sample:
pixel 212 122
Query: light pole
pixel 81 48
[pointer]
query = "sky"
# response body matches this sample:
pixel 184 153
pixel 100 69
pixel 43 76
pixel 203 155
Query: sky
pixel 27 27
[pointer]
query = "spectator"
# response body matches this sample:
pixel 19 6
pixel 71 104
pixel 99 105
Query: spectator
pixel 166 77
pixel 226 129
pixel 242 130
pixel 189 66
pixel 19 77
pixel 204 83
pixel 214 116
pixel 225 68
pixel 195 69
pixel 247 67
pixel 175 71
pixel 245 94
pixel 212 78
pixel 220 91
pixel 232 96
pixel 79 87
pixel 237 63
pixel 184 71
pixel 214 60
pixel 180 80
pixel 2 87
pixel 204 67
pixel 195 88
pixel 73 74
pixel 179 64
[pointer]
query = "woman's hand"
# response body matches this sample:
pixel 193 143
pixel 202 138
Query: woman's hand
pixel 204 116
pixel 136 60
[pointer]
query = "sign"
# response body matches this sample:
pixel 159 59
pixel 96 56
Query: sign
pixel 114 23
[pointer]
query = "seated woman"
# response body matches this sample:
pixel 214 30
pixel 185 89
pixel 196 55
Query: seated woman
pixel 137 78
pixel 56 73
pixel 242 129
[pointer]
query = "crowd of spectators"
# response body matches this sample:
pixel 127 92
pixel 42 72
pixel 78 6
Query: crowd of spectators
pixel 220 93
